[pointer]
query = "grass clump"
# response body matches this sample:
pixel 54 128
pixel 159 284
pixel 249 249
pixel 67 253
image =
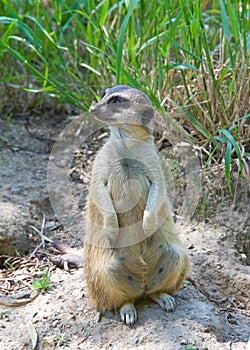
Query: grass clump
pixel 61 339
pixel 4 314
pixel 191 58
pixel 43 283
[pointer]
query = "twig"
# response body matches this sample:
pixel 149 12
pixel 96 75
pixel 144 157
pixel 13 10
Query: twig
pixel 11 302
pixel 43 237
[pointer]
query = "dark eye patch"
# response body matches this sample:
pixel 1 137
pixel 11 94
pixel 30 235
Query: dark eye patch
pixel 117 99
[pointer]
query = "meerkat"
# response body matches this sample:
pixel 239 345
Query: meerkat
pixel 131 248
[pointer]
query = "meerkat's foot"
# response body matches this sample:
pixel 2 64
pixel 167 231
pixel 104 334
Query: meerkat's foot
pixel 166 301
pixel 128 314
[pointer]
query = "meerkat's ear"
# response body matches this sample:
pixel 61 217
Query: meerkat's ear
pixel 146 113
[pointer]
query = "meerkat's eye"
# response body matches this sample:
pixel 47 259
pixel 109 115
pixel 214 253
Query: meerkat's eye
pixel 117 99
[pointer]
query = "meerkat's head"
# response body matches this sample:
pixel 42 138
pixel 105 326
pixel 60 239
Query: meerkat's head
pixel 126 108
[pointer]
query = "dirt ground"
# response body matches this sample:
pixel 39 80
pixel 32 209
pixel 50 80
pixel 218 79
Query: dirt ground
pixel 214 314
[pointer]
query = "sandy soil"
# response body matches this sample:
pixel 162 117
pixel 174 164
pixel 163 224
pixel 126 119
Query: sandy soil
pixel 215 315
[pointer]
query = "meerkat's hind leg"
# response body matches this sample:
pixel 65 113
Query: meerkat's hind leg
pixel 128 314
pixel 166 301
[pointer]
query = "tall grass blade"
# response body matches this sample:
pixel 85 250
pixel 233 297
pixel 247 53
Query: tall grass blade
pixel 225 24
pixel 231 140
pixel 227 165
pixel 120 42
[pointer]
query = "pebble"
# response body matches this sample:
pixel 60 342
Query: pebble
pixel 243 257
pixel 97 317
pixel 136 341
pixel 219 265
pixel 55 323
pixel 75 176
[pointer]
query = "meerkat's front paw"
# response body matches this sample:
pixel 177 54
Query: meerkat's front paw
pixel 149 223
pixel 166 301
pixel 128 314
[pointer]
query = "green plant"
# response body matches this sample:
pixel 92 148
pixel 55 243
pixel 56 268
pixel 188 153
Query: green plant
pixel 61 339
pixel 43 283
pixel 203 207
pixel 7 263
pixel 190 57
pixel 4 314
pixel 6 136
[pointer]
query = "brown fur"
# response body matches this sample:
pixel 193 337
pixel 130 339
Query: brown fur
pixel 131 248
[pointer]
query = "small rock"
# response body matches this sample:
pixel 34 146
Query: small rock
pixel 80 296
pixel 97 317
pixel 75 175
pixel 184 342
pixel 243 257
pixel 219 265
pixel 136 341
pixel 55 323
pixel 14 225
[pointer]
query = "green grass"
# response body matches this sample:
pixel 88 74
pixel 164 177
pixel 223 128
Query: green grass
pixel 4 314
pixel 190 57
pixel 204 207
pixel 61 339
pixel 43 283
